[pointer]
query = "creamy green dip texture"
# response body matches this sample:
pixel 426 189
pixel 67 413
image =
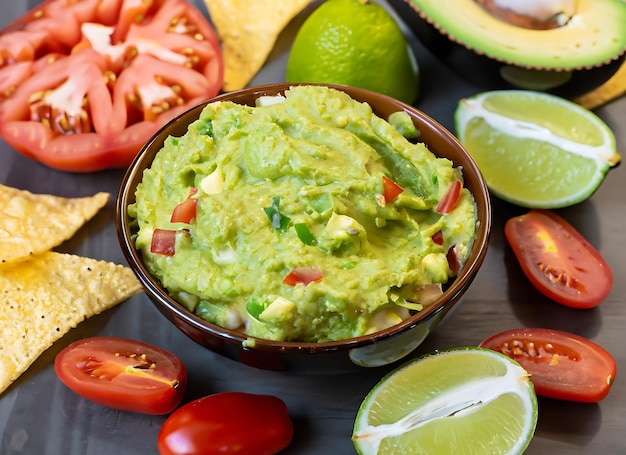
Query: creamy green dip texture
pixel 290 191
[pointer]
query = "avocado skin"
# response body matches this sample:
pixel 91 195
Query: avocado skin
pixel 485 72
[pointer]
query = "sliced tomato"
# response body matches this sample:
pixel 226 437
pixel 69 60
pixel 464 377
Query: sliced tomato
pixel 391 189
pixel 227 423
pixel 114 70
pixel 450 199
pixel 558 260
pixel 303 275
pixel 123 374
pixel 561 365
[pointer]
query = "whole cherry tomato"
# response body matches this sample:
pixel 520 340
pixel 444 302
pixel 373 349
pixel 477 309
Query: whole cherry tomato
pixel 227 423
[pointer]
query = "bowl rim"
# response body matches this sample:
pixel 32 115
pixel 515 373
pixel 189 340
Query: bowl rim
pixel 166 304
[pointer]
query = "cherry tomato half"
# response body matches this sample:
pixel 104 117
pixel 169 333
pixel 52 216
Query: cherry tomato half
pixel 227 423
pixel 558 260
pixel 562 365
pixel 123 374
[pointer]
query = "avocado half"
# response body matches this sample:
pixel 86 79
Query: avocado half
pixel 593 36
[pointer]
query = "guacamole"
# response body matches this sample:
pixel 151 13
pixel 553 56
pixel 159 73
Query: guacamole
pixel 304 218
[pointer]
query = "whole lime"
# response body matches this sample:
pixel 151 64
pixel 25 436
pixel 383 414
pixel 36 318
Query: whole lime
pixel 356 43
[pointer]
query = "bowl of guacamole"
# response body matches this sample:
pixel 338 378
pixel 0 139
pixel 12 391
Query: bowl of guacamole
pixel 293 219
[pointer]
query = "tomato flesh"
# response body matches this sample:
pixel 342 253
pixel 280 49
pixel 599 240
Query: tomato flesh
pixel 83 85
pixel 558 260
pixel 303 275
pixel 561 365
pixel 391 189
pixel 163 242
pixel 123 374
pixel 185 211
pixel 227 423
pixel 450 199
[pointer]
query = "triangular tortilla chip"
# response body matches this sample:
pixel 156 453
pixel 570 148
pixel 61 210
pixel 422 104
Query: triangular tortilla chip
pixel 33 223
pixel 45 296
pixel 248 30
pixel 610 90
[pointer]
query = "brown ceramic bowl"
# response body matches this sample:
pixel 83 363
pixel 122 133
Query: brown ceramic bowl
pixel 380 348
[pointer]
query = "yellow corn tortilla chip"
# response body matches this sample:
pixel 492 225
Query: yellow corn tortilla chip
pixel 610 90
pixel 45 296
pixel 33 223
pixel 248 30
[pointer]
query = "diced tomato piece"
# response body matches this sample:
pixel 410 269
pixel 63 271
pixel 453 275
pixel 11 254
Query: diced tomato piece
pixel 185 211
pixel 438 238
pixel 449 201
pixel 453 259
pixel 391 189
pixel 163 242
pixel 303 275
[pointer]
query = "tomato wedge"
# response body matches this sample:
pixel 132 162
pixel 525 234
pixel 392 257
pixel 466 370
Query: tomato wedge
pixel 83 85
pixel 227 423
pixel 558 260
pixel 561 365
pixel 123 374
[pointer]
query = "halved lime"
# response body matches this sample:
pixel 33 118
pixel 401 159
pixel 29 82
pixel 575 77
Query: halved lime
pixel 459 401
pixel 534 149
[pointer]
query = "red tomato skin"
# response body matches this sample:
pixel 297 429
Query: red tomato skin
pixel 90 368
pixel 229 423
pixel 541 240
pixel 450 199
pixel 185 211
pixel 562 365
pixel 163 242
pixel 391 189
pixel 303 275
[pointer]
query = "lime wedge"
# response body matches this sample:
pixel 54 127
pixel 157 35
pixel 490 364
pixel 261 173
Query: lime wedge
pixel 534 149
pixel 463 401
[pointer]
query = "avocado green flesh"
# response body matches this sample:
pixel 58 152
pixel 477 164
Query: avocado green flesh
pixel 319 158
pixel 594 36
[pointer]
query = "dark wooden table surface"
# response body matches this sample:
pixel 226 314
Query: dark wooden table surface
pixel 39 415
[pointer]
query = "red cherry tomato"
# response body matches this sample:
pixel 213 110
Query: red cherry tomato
pixel 227 423
pixel 558 260
pixel 561 365
pixel 83 85
pixel 123 374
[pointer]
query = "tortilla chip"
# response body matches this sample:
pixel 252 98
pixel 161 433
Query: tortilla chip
pixel 45 296
pixel 610 90
pixel 248 30
pixel 33 223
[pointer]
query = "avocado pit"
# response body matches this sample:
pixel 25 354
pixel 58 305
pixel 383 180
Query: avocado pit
pixel 531 14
